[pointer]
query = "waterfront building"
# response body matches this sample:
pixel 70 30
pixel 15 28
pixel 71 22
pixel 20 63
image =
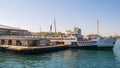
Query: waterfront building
pixel 19 37
pixel 8 30
pixel 23 40
pixel 75 32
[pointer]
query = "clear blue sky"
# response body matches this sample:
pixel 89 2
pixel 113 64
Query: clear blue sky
pixel 31 14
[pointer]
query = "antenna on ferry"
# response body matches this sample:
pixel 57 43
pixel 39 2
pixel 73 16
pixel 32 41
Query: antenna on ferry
pixel 97 27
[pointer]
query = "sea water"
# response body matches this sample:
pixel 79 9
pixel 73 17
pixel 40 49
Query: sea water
pixel 71 58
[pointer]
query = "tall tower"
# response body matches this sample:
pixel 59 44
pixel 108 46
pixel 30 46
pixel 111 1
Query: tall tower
pixel 97 27
pixel 55 34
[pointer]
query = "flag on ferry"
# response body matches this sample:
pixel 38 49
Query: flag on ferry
pixel 51 28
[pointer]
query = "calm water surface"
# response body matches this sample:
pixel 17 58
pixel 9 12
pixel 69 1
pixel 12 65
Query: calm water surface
pixel 72 58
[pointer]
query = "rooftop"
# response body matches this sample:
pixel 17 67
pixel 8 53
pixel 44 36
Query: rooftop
pixel 9 27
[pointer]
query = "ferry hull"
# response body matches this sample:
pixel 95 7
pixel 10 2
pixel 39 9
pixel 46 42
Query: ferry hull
pixel 92 47
pixel 105 44
pixel 108 42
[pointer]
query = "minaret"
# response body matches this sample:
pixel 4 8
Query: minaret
pixel 97 27
pixel 55 27
pixel 40 32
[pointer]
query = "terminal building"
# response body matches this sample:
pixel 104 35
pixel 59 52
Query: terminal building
pixel 8 30
pixel 16 36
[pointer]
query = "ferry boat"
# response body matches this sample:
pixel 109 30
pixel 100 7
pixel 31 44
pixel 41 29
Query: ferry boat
pixel 92 41
pixel 97 41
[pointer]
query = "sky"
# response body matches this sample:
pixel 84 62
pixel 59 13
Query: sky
pixel 33 14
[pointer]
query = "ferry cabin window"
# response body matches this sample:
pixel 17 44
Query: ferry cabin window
pixel 0 33
pixel 2 41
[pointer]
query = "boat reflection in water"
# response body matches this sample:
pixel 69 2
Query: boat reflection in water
pixel 116 50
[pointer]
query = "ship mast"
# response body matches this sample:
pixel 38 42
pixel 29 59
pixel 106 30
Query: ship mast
pixel 97 27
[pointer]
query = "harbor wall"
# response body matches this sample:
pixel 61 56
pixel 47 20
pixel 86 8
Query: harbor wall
pixel 32 50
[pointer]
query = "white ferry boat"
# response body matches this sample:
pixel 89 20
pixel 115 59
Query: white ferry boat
pixel 97 41
pixel 92 41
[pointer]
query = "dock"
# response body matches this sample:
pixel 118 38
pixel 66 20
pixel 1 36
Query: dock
pixel 32 50
pixel 28 44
